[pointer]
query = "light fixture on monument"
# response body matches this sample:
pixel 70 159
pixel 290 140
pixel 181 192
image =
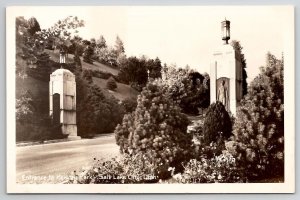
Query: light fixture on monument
pixel 62 57
pixel 225 27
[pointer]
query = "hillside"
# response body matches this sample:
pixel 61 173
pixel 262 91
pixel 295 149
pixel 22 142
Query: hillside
pixel 122 92
pixel 54 55
pixel 41 88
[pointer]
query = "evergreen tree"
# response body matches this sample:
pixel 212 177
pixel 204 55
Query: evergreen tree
pixel 259 126
pixel 119 46
pixel 111 84
pixel 34 26
pixel 154 67
pixel 101 42
pixel 217 123
pixel 237 47
pixel 157 129
pixel 134 71
pixel 88 54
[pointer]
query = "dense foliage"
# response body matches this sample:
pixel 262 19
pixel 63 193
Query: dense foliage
pixel 259 127
pixel 129 104
pixel 96 113
pixel 156 128
pixel 32 124
pixel 189 89
pixel 134 71
pixel 88 53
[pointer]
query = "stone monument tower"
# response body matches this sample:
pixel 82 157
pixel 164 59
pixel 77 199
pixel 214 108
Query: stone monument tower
pixel 226 73
pixel 62 91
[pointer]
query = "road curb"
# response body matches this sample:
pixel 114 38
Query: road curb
pixel 23 144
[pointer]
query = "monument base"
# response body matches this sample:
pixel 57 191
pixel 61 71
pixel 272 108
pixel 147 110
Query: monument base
pixel 74 137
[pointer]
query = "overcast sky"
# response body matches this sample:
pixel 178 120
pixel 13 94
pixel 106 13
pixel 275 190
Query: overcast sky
pixel 182 35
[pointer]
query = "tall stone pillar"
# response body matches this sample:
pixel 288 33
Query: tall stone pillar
pixel 62 93
pixel 226 75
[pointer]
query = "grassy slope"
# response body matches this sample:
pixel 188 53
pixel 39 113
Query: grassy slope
pixel 38 87
pixel 95 66
pixel 122 92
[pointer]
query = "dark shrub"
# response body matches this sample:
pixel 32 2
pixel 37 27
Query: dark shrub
pixel 88 54
pixel 217 123
pixel 129 104
pixel 111 84
pixel 101 74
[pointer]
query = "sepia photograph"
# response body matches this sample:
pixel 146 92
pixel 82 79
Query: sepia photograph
pixel 150 99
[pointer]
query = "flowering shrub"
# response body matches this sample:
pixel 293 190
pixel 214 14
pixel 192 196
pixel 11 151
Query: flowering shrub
pixel 219 169
pixel 157 129
pixel 124 169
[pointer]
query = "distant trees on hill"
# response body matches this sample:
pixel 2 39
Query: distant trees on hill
pixel 119 46
pixel 101 42
pixel 134 71
pixel 88 54
pixel 103 53
pixel 31 42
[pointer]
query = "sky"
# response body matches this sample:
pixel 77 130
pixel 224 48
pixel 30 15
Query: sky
pixel 181 35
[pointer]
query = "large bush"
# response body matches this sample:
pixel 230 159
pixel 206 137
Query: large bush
pixel 217 123
pixel 259 127
pixel 156 128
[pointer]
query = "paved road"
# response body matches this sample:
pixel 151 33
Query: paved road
pixel 35 163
